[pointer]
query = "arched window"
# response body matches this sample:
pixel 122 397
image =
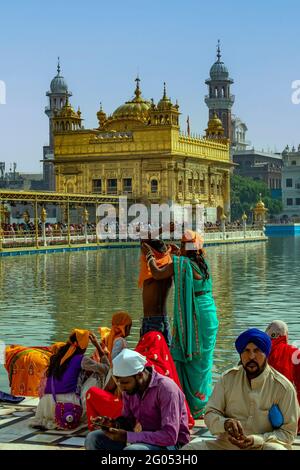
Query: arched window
pixel 180 185
pixel 154 186
pixel 70 188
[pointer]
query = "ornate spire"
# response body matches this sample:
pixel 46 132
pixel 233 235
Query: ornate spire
pixel 58 67
pixel 165 93
pixel 101 116
pixel 218 51
pixel 137 91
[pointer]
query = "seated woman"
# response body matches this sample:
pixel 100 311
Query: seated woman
pixel 113 339
pixel 105 400
pixel 93 372
pixel 284 357
pixel 26 367
pixel 61 379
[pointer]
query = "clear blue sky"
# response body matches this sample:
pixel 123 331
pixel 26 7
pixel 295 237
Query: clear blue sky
pixel 104 44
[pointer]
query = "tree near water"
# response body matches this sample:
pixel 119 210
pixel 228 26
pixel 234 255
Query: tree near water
pixel 245 193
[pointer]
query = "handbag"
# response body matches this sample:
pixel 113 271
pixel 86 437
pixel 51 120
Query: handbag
pixel 67 415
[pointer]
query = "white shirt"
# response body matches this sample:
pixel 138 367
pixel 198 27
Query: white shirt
pixel 234 397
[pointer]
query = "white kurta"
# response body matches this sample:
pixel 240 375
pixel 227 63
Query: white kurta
pixel 234 397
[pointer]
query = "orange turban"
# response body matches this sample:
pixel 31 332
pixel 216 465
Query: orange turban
pixel 193 240
pixel 82 341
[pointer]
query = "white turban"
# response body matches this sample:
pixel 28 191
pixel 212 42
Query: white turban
pixel 128 363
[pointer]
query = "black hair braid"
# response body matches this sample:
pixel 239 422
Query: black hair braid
pixel 198 258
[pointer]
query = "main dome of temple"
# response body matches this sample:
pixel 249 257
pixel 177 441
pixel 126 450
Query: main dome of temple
pixel 137 108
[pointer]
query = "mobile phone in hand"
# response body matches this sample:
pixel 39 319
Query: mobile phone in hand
pixel 103 422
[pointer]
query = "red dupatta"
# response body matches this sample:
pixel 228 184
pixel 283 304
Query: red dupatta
pixel 153 346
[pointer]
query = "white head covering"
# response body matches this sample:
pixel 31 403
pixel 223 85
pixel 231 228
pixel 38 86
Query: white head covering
pixel 128 363
pixel 277 328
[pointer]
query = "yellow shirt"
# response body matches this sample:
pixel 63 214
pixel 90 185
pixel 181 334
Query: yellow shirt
pixel 234 397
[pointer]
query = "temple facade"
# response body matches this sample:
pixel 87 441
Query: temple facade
pixel 139 151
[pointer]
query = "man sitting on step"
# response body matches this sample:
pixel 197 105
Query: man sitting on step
pixel 252 406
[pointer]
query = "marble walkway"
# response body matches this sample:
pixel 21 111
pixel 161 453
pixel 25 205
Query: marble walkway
pixel 16 433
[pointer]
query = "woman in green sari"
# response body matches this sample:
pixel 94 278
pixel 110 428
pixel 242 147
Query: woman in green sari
pixel 195 322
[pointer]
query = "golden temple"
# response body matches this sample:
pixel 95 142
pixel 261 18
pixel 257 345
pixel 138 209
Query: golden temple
pixel 140 151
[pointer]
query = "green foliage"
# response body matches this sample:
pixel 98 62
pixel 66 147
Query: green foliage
pixel 245 194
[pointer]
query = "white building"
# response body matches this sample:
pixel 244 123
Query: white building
pixel 238 134
pixel 291 182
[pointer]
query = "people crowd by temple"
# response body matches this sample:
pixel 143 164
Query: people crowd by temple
pixel 149 398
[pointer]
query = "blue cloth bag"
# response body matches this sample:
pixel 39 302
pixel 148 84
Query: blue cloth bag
pixel 275 417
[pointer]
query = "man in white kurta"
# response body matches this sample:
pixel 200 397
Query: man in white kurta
pixel 238 410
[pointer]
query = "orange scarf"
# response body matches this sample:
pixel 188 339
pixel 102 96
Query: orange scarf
pixel 119 322
pixel 82 341
pixel 161 259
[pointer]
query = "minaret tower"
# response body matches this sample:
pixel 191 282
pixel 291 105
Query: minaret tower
pixel 58 96
pixel 219 100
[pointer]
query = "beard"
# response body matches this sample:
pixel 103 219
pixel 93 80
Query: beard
pixel 134 390
pixel 253 369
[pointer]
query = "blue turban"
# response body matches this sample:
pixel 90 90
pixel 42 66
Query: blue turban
pixel 258 337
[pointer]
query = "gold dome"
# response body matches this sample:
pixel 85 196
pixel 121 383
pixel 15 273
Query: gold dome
pixel 137 109
pixel 165 103
pixel 68 111
pixel 215 126
pixel 260 206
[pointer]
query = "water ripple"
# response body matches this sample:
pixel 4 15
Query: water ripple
pixel 44 296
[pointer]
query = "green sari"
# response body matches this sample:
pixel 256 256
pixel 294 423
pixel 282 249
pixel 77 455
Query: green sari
pixel 195 329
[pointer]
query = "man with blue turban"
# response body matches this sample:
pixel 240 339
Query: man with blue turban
pixel 253 407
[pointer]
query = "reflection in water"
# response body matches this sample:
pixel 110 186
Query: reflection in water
pixel 44 296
